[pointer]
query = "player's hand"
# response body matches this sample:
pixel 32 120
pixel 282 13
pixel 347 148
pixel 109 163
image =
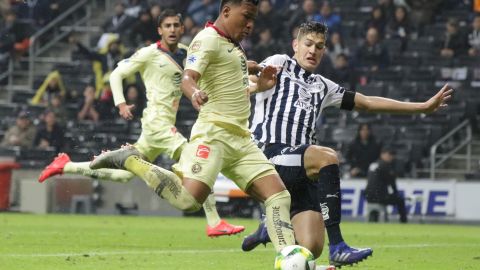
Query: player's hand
pixel 198 99
pixel 439 100
pixel 267 78
pixel 125 111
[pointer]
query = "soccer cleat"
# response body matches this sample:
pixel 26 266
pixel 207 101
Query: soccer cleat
pixel 114 159
pixel 54 168
pixel 260 236
pixel 341 254
pixel 224 228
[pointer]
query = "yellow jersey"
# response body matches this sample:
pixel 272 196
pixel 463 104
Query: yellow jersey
pixel 161 71
pixel 222 65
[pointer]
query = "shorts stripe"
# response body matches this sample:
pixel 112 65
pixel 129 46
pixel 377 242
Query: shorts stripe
pixel 287 160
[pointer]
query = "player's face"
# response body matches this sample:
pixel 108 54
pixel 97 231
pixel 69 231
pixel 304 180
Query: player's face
pixel 239 20
pixel 171 30
pixel 309 50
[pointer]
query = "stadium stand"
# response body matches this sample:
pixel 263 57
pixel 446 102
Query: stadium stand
pixel 412 74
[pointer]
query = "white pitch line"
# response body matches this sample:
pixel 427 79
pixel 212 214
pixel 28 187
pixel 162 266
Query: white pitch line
pixel 206 251
pixel 131 252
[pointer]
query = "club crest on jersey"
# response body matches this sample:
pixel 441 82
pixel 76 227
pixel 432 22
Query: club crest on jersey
pixel 195 46
pixel 203 151
pixel 196 168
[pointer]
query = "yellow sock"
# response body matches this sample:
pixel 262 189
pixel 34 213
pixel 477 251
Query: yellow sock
pixel 165 183
pixel 83 168
pixel 211 211
pixel 279 227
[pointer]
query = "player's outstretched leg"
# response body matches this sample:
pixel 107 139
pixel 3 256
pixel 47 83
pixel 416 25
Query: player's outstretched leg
pixel 165 183
pixel 62 164
pixel 216 226
pixel 260 236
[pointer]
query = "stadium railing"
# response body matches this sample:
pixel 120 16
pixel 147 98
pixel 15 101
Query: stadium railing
pixel 77 15
pixel 464 132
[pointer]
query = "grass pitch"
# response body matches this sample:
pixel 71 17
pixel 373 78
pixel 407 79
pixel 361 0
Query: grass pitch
pixel 115 242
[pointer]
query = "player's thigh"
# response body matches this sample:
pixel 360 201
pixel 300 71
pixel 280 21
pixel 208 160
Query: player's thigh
pixel 251 171
pixel 317 157
pixel 288 162
pixel 201 161
pixel 310 231
pixel 162 140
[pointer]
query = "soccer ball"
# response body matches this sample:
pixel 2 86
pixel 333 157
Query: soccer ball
pixel 294 258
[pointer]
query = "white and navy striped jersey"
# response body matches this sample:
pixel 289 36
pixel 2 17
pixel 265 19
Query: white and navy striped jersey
pixel 287 113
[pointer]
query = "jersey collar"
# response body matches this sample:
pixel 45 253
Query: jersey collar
pixel 224 35
pixel 177 57
pixel 160 47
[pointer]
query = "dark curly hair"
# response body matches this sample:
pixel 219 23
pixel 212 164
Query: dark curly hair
pixel 312 27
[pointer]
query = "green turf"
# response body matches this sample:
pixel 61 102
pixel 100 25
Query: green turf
pixel 113 242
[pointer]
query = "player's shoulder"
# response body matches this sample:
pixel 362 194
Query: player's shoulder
pixel 328 82
pixel 146 51
pixel 205 40
pixel 182 46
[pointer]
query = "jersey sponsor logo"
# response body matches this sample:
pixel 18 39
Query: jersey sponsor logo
pixel 303 102
pixel 203 151
pixel 195 46
pixel 196 168
pixel 230 50
pixel 192 59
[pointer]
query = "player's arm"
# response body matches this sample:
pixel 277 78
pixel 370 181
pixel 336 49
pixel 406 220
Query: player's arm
pixel 381 104
pixel 124 69
pixel 191 90
pixel 200 53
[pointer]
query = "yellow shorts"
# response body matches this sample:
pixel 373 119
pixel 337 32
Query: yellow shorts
pixel 160 137
pixel 213 149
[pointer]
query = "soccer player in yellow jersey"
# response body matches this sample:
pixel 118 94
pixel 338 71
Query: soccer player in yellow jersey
pixel 161 67
pixel 216 81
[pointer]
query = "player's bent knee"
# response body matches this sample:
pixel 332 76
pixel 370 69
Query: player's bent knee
pixel 329 156
pixel 318 157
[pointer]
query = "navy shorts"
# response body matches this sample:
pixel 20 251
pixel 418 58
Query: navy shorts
pixel 289 164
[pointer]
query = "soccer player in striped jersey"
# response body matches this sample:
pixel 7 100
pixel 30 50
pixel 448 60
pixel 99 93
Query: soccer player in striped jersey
pixel 161 67
pixel 284 127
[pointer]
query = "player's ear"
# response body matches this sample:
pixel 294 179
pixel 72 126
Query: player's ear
pixel 295 45
pixel 226 11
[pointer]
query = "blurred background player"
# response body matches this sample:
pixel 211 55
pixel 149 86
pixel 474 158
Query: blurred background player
pixel 160 66
pixel 284 126
pixel 381 178
pixel 216 81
